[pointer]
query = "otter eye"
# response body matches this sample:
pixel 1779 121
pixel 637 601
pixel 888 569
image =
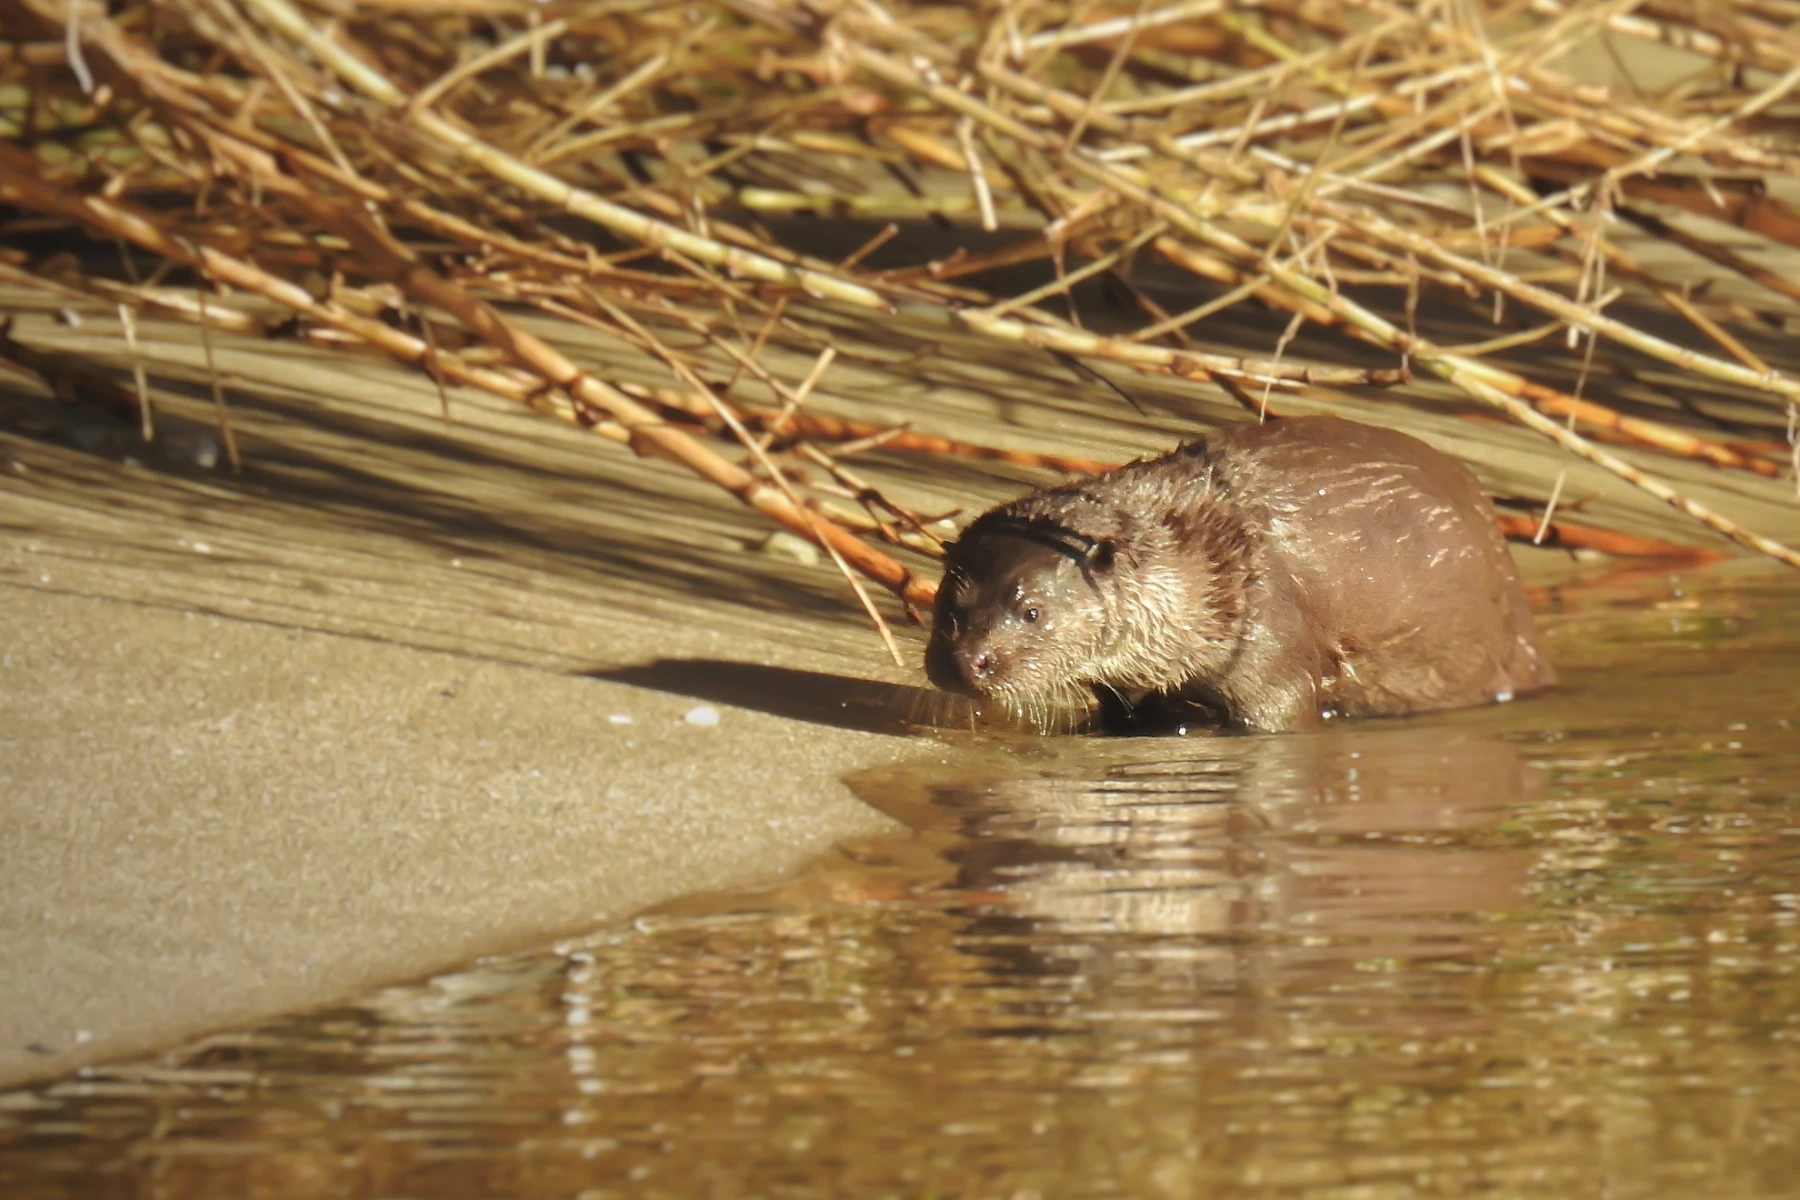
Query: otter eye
pixel 1031 616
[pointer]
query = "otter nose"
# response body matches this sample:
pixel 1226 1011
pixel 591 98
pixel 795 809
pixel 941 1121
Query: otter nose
pixel 976 664
pixel 959 666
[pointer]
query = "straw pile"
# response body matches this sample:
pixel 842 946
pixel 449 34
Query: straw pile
pixel 412 174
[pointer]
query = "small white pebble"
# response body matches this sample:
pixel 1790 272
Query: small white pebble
pixel 19 468
pixel 83 1036
pixel 456 562
pixel 782 544
pixel 1502 697
pixel 621 718
pixel 702 714
pixel 202 548
pixel 43 579
pixel 206 452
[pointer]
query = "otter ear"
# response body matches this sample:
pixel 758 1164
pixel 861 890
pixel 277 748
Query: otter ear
pixel 1099 557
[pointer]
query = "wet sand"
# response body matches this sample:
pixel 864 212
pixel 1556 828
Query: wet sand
pixel 271 739
pixel 207 820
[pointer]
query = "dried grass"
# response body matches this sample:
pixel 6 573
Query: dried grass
pixel 411 174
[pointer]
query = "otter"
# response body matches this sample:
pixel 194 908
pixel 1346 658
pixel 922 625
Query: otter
pixel 1275 575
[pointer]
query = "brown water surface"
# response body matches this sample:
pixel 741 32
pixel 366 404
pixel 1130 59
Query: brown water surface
pixel 1545 949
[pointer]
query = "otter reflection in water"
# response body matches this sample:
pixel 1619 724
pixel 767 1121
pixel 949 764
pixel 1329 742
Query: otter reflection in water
pixel 1233 861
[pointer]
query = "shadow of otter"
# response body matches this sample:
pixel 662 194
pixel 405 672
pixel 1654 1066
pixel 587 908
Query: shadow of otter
pixel 898 709
pixel 816 697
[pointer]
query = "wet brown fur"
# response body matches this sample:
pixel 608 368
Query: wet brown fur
pixel 1281 573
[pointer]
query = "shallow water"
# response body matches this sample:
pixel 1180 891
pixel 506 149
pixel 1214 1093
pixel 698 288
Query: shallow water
pixel 1545 949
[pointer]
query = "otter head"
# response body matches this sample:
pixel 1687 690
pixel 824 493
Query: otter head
pixel 1021 613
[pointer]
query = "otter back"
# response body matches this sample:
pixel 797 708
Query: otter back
pixel 1281 573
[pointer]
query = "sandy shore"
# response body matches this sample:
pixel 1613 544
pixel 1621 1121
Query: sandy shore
pixel 270 740
pixel 409 691
pixel 206 819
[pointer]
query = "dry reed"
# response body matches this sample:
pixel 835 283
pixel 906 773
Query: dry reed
pixel 1368 172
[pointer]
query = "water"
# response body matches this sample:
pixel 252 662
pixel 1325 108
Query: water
pixel 1544 949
